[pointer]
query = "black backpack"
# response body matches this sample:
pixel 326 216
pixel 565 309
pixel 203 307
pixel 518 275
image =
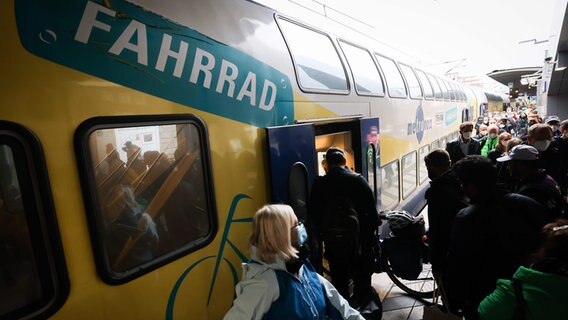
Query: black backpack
pixel 340 231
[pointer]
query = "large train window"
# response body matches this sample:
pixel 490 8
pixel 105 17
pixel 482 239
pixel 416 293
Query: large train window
pixel 412 81
pixel 147 187
pixel 33 276
pixel 316 61
pixel 422 171
pixel 409 174
pixel 390 196
pixel 367 78
pixel 437 90
pixel 395 83
pixel 426 86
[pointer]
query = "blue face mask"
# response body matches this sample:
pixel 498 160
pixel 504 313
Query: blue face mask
pixel 302 234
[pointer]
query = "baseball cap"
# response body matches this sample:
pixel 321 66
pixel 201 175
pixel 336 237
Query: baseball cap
pixel 552 119
pixel 127 145
pixel 521 152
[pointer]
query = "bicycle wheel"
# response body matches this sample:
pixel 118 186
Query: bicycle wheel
pixel 422 287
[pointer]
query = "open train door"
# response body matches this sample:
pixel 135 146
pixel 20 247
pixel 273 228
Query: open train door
pixel 292 165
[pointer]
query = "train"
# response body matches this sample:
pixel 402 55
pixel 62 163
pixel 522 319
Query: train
pixel 138 138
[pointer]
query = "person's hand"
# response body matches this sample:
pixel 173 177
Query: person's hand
pixel 145 222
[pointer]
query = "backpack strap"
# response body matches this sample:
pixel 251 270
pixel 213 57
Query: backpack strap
pixel 521 306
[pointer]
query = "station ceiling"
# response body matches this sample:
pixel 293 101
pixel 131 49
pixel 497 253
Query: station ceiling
pixel 513 77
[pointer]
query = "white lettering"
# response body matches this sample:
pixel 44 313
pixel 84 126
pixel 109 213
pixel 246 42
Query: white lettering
pixel 205 68
pixel 224 76
pixel 268 85
pixel 249 89
pixel 165 52
pixel 141 46
pixel 89 21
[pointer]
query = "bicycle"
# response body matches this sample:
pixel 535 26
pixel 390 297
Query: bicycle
pixel 421 285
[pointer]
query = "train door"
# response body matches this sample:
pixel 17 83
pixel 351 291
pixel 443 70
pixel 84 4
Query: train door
pixel 292 165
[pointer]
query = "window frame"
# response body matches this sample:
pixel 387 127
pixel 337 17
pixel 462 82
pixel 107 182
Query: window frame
pixel 418 71
pixel 401 67
pixel 278 18
pixel 41 220
pixel 438 95
pixel 398 189
pixel 420 160
pixel 376 58
pixel 90 194
pixel 405 195
pixel 379 72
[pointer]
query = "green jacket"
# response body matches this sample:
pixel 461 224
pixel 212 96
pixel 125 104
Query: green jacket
pixel 545 294
pixel 489 145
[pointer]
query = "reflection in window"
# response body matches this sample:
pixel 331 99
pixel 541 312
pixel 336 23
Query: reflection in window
pixel 412 81
pixel 408 174
pixel 367 78
pixel 20 280
pixel 151 192
pixel 395 83
pixel 389 186
pixel 317 64
pixel 423 172
pixel 428 90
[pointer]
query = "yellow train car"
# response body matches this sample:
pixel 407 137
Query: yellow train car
pixel 137 139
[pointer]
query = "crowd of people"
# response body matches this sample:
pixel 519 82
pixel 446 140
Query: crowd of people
pixel 498 232
pixel 497 208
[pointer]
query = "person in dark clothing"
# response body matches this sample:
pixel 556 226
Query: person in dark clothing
pixel 522 162
pixel 554 123
pixel 550 158
pixel 490 238
pixel 561 144
pixel 340 182
pixel 499 148
pixel 445 199
pixel 464 145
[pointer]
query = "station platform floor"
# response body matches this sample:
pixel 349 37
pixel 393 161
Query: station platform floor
pixel 398 305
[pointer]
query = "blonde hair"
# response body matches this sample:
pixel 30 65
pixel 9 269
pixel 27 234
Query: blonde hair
pixel 271 233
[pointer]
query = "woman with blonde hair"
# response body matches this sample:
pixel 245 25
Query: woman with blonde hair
pixel 277 283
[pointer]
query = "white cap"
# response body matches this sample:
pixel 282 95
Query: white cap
pixel 521 152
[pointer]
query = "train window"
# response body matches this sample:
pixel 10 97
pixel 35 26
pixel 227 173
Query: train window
pixel 435 145
pixel 422 171
pixel 412 81
pixel 452 91
pixel 317 63
pixel 298 190
pixel 389 185
pixel 443 142
pixel 409 174
pixel 395 83
pixel 149 201
pixel 437 90
pixel 367 78
pixel 33 276
pixel 462 93
pixel 428 90
pixel 445 91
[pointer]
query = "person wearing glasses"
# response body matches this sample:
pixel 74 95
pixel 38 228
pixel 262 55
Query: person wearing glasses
pixel 278 282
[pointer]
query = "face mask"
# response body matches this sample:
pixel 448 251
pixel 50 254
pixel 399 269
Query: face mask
pixel 541 145
pixel 302 234
pixel 554 128
pixel 501 126
pixel 467 135
pixel 492 135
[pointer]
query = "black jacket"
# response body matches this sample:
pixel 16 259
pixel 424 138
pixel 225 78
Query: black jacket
pixel 490 240
pixel 456 154
pixel 343 182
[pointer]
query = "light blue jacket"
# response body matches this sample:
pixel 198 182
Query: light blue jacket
pixel 268 289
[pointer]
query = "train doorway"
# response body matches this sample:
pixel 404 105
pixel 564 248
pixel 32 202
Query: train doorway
pixel 296 153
